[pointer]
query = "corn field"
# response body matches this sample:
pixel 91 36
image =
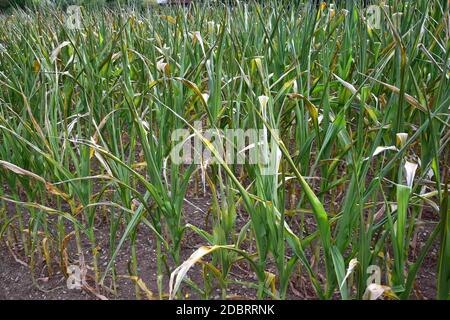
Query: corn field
pixel 356 107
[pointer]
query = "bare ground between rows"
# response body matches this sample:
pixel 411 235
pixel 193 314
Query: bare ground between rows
pixel 16 281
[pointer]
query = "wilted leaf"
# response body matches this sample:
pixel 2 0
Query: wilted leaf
pixel 179 273
pixel 379 150
pixel 351 267
pixel 20 171
pixel 57 50
pixel 375 291
pixel 410 169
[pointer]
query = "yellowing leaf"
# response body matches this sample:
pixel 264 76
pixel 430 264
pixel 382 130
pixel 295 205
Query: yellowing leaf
pixel 47 253
pixel 169 19
pixel 36 66
pixel 180 273
pixel 401 139
pixel 143 287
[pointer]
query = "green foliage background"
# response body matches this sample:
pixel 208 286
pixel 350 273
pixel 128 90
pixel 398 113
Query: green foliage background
pixel 24 3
